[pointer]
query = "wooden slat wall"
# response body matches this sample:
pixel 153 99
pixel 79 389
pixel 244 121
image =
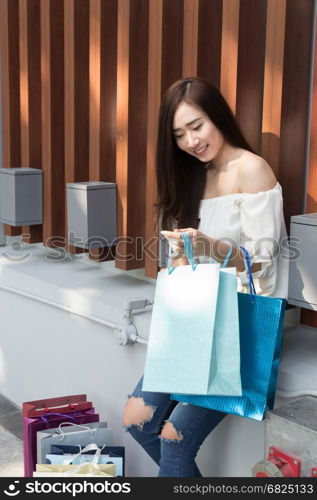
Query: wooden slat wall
pixel 82 82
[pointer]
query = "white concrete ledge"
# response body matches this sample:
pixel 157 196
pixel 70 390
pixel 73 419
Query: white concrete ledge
pixel 75 282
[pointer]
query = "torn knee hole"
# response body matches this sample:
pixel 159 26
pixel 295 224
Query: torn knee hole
pixel 137 412
pixel 169 433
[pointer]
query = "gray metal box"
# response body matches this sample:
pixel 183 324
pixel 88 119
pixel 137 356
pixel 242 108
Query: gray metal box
pixel 91 214
pixel 303 270
pixel 2 235
pixel 293 427
pixel 21 196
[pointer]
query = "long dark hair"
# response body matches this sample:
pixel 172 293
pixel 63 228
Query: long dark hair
pixel 180 176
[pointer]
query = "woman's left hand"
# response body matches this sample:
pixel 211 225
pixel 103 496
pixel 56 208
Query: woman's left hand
pixel 200 241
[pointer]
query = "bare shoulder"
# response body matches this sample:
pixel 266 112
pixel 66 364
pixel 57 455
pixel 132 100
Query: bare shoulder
pixel 255 174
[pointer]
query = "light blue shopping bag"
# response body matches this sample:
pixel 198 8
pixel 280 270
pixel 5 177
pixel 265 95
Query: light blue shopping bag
pixel 261 333
pixel 193 343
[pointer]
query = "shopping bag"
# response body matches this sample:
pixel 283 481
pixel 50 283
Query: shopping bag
pixel 72 434
pixel 47 421
pixel 62 404
pixel 193 343
pixel 108 454
pixel 261 320
pixel 81 470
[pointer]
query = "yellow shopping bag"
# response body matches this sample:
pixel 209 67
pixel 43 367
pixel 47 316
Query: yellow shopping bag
pixel 81 470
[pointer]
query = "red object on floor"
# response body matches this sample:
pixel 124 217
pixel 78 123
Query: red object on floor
pixel 279 463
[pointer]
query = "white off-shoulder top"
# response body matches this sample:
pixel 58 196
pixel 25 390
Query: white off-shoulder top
pixel 255 221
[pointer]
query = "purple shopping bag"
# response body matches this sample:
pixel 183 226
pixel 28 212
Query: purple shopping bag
pixel 48 421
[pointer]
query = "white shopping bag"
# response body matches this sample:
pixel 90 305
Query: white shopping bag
pixel 194 335
pixel 72 434
pixel 83 457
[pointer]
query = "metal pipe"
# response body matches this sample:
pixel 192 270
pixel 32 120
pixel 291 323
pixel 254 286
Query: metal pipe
pixel 59 306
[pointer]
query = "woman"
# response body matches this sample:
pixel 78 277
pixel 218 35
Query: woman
pixel 212 185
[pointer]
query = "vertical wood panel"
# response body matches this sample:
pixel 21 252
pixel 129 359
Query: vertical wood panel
pixel 137 149
pixel 5 83
pixel 102 86
pixel 24 90
pixel 58 119
pixel 311 204
pixel 154 98
pixel 34 85
pixel 108 97
pixel 122 121
pixel 273 81
pixel 69 92
pixel 209 40
pixel 46 116
pixel 69 89
pixel 14 83
pixel 81 87
pixel 131 123
pixel 250 78
pixel 108 91
pixel 13 96
pixel 53 120
pixel 190 37
pixel 33 234
pixel 229 51
pixel 94 89
pixel 309 317
pixel 295 104
pixel 172 37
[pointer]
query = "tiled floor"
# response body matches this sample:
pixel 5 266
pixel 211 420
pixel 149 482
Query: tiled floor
pixel 11 444
pixel 10 417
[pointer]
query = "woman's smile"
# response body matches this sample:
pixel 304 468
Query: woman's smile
pixel 200 151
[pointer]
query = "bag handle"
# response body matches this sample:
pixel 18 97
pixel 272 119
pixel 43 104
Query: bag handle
pixel 248 264
pixel 62 433
pixel 65 404
pixel 46 418
pixel 89 447
pixel 188 246
pixel 79 468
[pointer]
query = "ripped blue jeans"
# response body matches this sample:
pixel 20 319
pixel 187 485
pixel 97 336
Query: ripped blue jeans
pixel 175 457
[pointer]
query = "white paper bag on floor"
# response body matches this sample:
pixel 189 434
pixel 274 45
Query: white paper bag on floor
pixel 72 434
